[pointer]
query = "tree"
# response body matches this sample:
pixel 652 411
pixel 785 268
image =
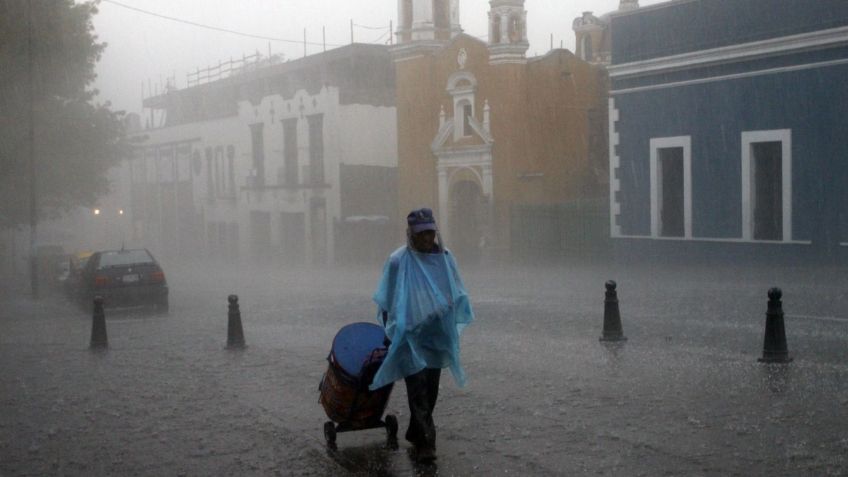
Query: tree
pixel 48 51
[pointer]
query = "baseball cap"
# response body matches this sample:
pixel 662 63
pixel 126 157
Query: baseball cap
pixel 420 220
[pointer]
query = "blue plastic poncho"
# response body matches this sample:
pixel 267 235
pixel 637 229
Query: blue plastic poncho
pixel 427 308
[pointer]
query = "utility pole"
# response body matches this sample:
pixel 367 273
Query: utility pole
pixel 33 206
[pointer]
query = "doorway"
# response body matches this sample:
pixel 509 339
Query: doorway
pixel 260 236
pixel 292 237
pixel 672 221
pixel 767 188
pixel 466 220
pixel 318 231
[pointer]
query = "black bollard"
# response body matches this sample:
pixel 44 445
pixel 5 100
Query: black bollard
pixel 98 326
pixel 774 345
pixel 235 334
pixel 612 318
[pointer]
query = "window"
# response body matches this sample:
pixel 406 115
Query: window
pixel 586 48
pixel 467 114
pixel 461 86
pixel 463 112
pixel 441 17
pixel 293 236
pixel 405 17
pixel 407 14
pixel 767 185
pixel 316 148
pixel 258 147
pixel 290 151
pixel 210 175
pixel 232 241
pixel 231 180
pixel 671 187
pixel 515 30
pixel 260 235
pixel 124 257
pixel 220 172
pixel 842 207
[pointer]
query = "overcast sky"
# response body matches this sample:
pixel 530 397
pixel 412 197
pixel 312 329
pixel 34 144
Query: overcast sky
pixel 143 47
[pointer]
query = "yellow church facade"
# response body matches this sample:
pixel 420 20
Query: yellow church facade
pixel 484 132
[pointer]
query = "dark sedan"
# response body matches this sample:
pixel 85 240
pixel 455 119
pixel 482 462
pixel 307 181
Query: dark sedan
pixel 125 278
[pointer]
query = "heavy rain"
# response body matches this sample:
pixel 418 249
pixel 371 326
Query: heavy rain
pixel 423 237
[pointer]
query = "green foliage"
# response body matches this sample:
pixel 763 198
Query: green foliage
pixel 48 51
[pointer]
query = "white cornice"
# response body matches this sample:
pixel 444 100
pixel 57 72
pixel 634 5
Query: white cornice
pixel 441 139
pixel 507 60
pixel 749 74
pixel 746 51
pixel 648 8
pixel 718 240
pixel 406 51
pixel 465 155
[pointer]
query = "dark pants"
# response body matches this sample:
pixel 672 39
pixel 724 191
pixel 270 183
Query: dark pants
pixel 422 390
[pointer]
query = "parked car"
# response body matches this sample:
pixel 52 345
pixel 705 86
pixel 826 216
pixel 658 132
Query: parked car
pixel 125 278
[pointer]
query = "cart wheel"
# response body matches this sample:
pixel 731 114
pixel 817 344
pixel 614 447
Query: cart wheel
pixel 391 426
pixel 330 433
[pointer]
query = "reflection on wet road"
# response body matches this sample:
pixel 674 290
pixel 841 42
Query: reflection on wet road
pixel 683 396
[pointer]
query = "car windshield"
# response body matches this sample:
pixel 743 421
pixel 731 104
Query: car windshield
pixel 124 257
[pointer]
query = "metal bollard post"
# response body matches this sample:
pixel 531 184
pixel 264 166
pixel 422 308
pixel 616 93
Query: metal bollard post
pixel 612 317
pixel 774 344
pixel 98 326
pixel 235 334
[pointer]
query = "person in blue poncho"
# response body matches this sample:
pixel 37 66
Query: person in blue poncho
pixel 423 305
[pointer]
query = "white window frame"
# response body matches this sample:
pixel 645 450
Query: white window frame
pixel 462 86
pixel 584 42
pixel 462 121
pixel 784 136
pixel 459 118
pixel 684 142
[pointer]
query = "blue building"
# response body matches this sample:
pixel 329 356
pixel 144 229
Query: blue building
pixel 729 129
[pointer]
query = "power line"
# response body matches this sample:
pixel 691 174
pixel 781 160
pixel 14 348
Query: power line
pixel 370 27
pixel 210 27
pixel 380 38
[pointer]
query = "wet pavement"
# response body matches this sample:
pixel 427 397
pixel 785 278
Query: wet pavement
pixel 683 396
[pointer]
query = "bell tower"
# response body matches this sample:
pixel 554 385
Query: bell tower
pixel 507 32
pixel 628 5
pixel 427 20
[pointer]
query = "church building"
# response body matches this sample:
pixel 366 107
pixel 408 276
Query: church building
pixel 493 140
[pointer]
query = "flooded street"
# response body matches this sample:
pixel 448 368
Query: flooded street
pixel 645 200
pixel 684 395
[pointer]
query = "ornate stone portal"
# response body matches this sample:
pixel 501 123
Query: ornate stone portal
pixel 463 148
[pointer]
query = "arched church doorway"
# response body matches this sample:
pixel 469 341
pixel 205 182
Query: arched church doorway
pixel 467 205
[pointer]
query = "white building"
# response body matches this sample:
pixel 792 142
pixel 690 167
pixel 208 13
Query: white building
pixel 270 161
